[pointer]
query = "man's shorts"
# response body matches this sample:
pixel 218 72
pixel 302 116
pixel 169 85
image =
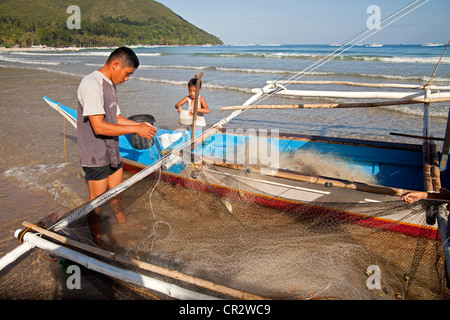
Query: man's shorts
pixel 100 173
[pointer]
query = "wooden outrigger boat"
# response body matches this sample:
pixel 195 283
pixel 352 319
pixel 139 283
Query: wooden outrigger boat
pixel 396 167
pixel 210 161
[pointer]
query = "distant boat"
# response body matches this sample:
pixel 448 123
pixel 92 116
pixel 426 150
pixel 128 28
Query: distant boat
pixel 374 45
pixel 431 44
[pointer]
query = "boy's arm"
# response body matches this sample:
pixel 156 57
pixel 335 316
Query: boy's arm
pixel 179 104
pixel 203 106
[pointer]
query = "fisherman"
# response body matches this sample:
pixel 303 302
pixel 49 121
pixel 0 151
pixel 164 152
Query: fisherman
pixel 100 124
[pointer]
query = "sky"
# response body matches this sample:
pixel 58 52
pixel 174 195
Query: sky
pixel 313 22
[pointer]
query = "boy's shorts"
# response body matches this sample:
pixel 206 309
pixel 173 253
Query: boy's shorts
pixel 100 173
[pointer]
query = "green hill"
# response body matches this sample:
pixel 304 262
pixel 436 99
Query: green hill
pixel 103 23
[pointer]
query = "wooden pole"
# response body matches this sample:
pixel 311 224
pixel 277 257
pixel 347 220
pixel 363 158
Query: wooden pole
pixel 435 172
pixel 446 146
pixel 418 96
pixel 294 176
pixel 414 136
pixel 362 84
pixel 146 266
pixel 426 148
pixel 194 117
pixel 128 276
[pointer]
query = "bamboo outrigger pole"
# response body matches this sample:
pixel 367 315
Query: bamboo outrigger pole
pixel 363 84
pixel 147 266
pixel 340 105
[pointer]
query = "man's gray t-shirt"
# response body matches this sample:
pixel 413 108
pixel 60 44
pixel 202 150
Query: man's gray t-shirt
pixel 97 95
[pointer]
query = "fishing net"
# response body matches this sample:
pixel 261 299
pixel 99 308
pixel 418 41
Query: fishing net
pixel 235 235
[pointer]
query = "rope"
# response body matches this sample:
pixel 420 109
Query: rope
pixel 435 69
pixel 64 138
pixel 386 22
pixel 65 150
pixel 40 253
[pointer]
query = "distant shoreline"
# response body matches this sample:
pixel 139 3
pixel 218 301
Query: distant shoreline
pixel 18 49
pixel 63 49
pixel 40 49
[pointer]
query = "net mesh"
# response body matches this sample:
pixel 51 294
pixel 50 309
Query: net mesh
pixel 240 237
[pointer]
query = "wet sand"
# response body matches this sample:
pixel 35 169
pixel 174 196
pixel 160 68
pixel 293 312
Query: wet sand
pixel 34 179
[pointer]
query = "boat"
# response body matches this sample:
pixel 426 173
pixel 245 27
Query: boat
pixel 374 45
pixel 432 44
pixel 394 168
pixel 207 162
pixel 207 168
pixel 206 178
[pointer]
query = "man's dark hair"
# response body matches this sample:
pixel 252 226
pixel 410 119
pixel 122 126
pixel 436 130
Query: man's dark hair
pixel 193 82
pixel 126 56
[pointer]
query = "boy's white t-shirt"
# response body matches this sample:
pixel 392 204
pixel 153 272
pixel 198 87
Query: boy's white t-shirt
pixel 200 121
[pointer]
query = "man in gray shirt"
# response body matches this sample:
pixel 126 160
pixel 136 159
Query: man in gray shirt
pixel 99 126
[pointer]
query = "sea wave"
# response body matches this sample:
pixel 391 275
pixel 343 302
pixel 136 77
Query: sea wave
pixel 7 58
pixel 299 73
pixel 308 56
pixel 32 177
pixel 80 53
pixel 207 85
pixel 276 72
pixel 417 110
pixel 66 73
pixel 148 66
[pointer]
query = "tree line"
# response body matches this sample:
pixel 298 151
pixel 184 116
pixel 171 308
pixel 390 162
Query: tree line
pixel 105 32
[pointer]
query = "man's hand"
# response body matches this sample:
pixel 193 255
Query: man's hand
pixel 146 130
pixel 412 197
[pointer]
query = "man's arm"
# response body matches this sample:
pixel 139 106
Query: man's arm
pixel 124 126
pixel 412 197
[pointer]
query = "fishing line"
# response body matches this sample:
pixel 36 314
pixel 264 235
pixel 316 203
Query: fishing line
pixel 437 65
pixel 378 27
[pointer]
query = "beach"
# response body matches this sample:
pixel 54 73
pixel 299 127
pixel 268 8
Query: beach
pixel 39 166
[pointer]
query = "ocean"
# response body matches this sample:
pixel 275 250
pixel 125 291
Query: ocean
pixel 39 167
